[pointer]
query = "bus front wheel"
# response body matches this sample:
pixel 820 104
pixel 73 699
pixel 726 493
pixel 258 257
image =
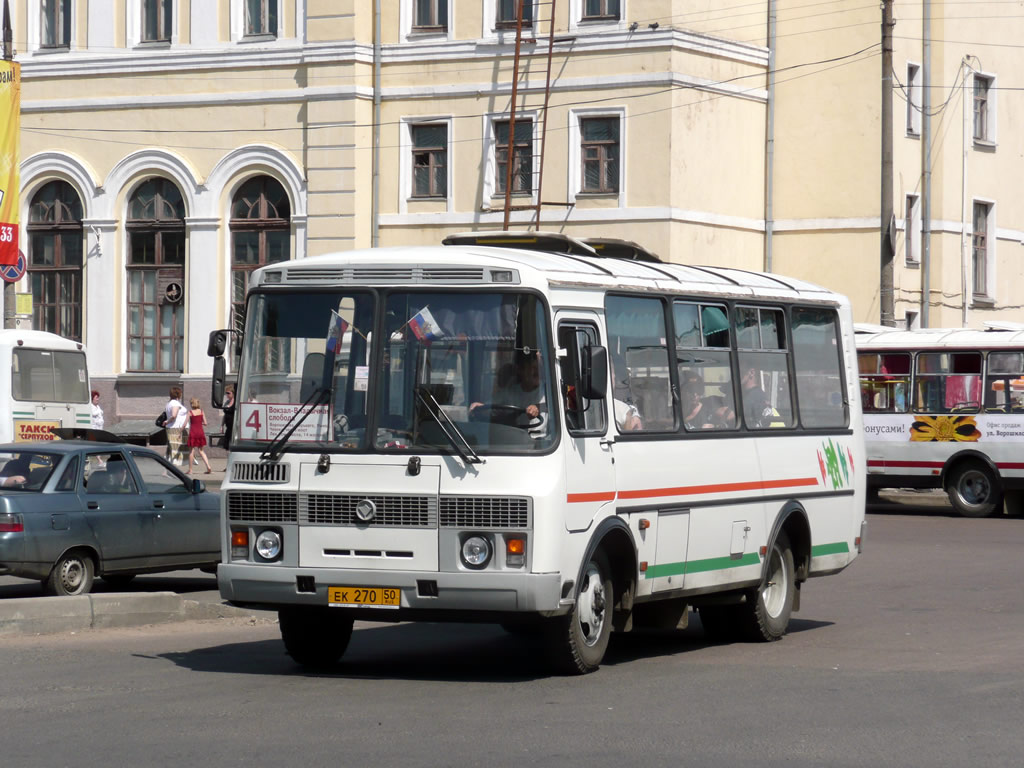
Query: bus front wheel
pixel 576 643
pixel 974 490
pixel 314 637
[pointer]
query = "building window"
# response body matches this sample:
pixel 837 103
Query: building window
pixel 55 260
pixel 260 17
pixel 912 229
pixel 260 235
pixel 980 243
pixel 599 151
pixel 156 21
pixel 603 10
pixel 508 11
pixel 156 278
pixel 55 23
pixel 522 156
pixel 430 15
pixel 430 160
pixel 913 100
pixel 982 108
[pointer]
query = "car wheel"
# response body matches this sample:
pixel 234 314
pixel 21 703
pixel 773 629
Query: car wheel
pixel 118 580
pixel 71 575
pixel 315 637
pixel 576 643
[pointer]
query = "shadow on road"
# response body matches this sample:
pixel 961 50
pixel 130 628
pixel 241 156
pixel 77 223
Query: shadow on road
pixel 194 581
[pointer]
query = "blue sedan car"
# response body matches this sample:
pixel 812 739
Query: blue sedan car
pixel 71 510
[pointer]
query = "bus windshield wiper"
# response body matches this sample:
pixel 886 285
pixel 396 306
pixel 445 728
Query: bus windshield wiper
pixel 457 440
pixel 276 447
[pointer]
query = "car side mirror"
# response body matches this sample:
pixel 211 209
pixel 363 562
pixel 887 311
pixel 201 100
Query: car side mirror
pixel 594 373
pixel 217 344
pixel 217 390
pixel 198 486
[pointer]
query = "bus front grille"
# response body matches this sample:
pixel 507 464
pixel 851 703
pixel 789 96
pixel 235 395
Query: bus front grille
pixel 389 510
pixel 485 512
pixel 260 507
pixel 259 472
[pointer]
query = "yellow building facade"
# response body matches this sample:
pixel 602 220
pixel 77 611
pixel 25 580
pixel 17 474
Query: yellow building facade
pixel 171 146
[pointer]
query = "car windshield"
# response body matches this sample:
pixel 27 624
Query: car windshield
pixel 26 470
pixel 478 363
pixel 459 372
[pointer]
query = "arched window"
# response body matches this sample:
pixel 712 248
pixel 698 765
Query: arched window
pixel 260 235
pixel 55 260
pixel 156 278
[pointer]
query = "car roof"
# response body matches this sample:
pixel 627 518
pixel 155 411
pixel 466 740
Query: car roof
pixel 67 446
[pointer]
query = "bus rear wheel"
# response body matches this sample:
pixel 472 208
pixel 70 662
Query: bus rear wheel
pixel 576 643
pixel 974 490
pixel 314 637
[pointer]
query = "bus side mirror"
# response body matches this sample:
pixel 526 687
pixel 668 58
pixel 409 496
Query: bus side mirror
pixel 217 391
pixel 313 374
pixel 217 344
pixel 594 373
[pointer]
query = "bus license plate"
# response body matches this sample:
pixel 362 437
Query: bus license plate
pixel 364 597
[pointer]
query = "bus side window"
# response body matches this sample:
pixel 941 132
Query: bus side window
pixel 581 415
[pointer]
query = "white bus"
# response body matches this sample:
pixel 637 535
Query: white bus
pixel 46 385
pixel 944 408
pixel 528 430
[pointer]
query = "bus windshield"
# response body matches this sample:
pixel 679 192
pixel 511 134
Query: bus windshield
pixel 458 371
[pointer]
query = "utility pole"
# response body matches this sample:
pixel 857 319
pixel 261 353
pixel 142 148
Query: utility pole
pixel 10 296
pixel 886 288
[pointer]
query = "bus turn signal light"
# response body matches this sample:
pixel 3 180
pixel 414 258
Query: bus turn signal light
pixel 239 545
pixel 515 552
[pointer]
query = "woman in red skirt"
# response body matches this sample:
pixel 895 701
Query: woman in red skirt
pixel 197 435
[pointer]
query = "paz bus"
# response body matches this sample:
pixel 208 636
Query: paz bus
pixel 47 385
pixel 559 436
pixel 944 408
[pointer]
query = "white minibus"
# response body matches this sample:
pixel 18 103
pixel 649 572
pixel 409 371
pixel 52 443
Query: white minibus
pixel 46 385
pixel 526 429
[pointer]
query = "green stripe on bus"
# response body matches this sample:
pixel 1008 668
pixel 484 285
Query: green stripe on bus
pixel 699 566
pixel 23 414
pixel 835 548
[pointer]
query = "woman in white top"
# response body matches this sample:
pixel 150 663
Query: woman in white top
pixel 177 420
pixel 97 411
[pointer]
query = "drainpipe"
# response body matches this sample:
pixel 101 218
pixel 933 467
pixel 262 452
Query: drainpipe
pixel 769 142
pixel 926 163
pixel 375 193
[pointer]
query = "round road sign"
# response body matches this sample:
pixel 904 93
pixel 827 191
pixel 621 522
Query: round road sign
pixel 14 272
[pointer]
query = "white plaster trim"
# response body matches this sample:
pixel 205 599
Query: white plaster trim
pixel 576 23
pixel 151 162
pixel 405 16
pixel 804 225
pixel 34 28
pixel 133 26
pixel 992 138
pixel 240 164
pixel 45 166
pixel 405 161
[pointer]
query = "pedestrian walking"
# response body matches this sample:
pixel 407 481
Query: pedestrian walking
pixel 177 421
pixel 197 434
pixel 97 411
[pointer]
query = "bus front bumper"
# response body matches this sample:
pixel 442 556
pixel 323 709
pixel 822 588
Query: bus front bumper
pixel 421 591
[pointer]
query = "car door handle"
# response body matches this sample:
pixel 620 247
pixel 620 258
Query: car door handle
pixel 93 505
pixel 158 505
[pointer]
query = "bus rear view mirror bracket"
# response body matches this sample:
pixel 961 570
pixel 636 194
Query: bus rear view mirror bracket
pixel 594 373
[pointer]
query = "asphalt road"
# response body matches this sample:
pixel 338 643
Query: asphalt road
pixel 911 657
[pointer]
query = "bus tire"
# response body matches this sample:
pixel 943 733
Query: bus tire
pixel 765 615
pixel 576 643
pixel 314 637
pixel 974 489
pixel 71 575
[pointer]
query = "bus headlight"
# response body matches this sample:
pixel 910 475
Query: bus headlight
pixel 268 545
pixel 476 551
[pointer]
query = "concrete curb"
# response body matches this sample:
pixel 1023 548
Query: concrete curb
pixel 49 615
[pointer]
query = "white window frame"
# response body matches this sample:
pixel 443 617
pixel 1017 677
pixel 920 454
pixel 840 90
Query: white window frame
pixel 35 29
pixel 576 18
pixel 912 229
pixel 575 154
pixel 238 22
pixel 409 35
pixel 991 121
pixel 490 21
pixel 989 296
pixel 133 26
pixel 405 170
pixel 490 186
pixel 913 99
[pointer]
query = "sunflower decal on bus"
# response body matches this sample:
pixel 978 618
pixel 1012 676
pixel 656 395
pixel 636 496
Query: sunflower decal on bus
pixel 928 429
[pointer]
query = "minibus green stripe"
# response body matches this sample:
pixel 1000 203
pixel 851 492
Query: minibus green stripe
pixel 835 548
pixel 22 414
pixel 699 566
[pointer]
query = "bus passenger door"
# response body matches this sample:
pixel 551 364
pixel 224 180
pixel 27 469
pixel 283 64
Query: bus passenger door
pixel 589 474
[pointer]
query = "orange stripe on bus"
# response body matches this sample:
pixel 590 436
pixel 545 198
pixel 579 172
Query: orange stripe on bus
pixel 690 490
pixel 574 498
